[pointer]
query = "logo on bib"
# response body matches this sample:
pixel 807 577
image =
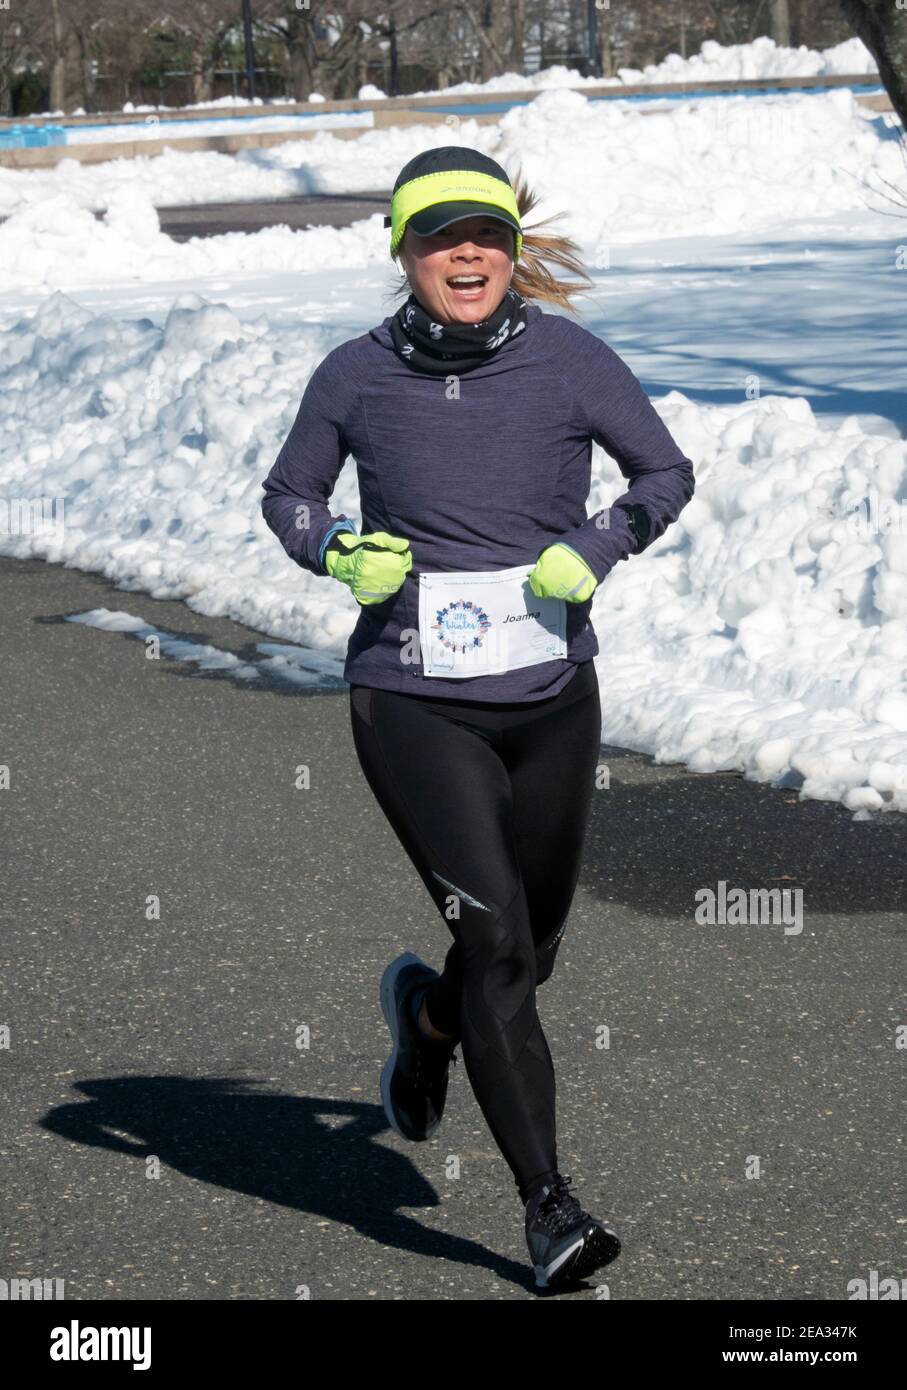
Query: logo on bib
pixel 461 626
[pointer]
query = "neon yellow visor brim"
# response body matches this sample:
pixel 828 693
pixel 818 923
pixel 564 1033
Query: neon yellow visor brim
pixel 450 186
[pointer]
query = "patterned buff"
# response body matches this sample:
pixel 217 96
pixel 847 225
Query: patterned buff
pixel 451 348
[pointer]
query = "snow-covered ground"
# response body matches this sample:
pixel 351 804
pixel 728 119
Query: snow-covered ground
pixel 736 256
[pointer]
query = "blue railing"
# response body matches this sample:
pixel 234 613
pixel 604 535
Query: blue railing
pixel 24 137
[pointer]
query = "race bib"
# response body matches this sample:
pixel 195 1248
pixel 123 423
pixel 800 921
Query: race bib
pixel 481 623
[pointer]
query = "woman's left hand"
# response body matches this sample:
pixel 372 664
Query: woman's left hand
pixel 560 572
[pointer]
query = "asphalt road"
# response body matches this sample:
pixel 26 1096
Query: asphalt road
pixel 307 210
pixel 165 1137
pixel 182 221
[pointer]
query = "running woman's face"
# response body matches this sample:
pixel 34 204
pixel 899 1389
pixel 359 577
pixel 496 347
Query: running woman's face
pixel 472 246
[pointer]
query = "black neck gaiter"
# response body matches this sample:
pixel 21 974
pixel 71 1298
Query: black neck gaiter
pixel 451 348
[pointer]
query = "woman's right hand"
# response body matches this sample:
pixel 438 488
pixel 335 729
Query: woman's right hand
pixel 374 566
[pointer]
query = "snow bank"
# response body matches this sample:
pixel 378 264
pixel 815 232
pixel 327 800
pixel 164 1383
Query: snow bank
pixel 761 58
pixel 766 631
pixel 714 62
pixel 57 243
pixel 709 168
pixel 713 167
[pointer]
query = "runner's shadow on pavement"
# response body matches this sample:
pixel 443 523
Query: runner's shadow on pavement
pixel 276 1147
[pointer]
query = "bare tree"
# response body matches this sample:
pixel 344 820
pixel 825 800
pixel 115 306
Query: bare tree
pixel 739 22
pixel 297 31
pixel 488 22
pixel 57 40
pixel 400 25
pixel 518 34
pixel 204 25
pixel 19 51
pixel 61 35
pixel 87 21
pixel 883 28
pixel 816 23
pixel 781 23
pixel 329 49
pixel 605 44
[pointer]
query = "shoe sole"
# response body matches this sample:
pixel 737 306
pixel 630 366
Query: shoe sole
pixel 389 1009
pixel 597 1249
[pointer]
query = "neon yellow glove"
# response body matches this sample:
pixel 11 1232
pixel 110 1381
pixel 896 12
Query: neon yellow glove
pixel 561 572
pixel 374 566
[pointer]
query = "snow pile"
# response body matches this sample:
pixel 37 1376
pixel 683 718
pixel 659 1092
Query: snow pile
pixel 223 102
pixel 713 63
pixel 200 654
pixel 761 58
pixel 57 243
pixel 718 166
pixel 158 439
pixel 174 177
pixel 296 666
pixel 766 631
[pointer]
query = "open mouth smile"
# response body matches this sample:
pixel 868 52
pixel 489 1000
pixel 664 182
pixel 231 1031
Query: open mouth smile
pixel 467 287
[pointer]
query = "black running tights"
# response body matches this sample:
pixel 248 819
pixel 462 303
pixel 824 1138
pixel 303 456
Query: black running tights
pixel 490 802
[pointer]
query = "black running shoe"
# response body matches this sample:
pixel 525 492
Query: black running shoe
pixel 565 1242
pixel 414 1078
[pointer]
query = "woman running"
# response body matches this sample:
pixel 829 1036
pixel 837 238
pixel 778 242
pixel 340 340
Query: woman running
pixel 474 701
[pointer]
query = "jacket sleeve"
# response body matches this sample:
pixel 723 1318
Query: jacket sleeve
pixel 305 471
pixel 624 422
